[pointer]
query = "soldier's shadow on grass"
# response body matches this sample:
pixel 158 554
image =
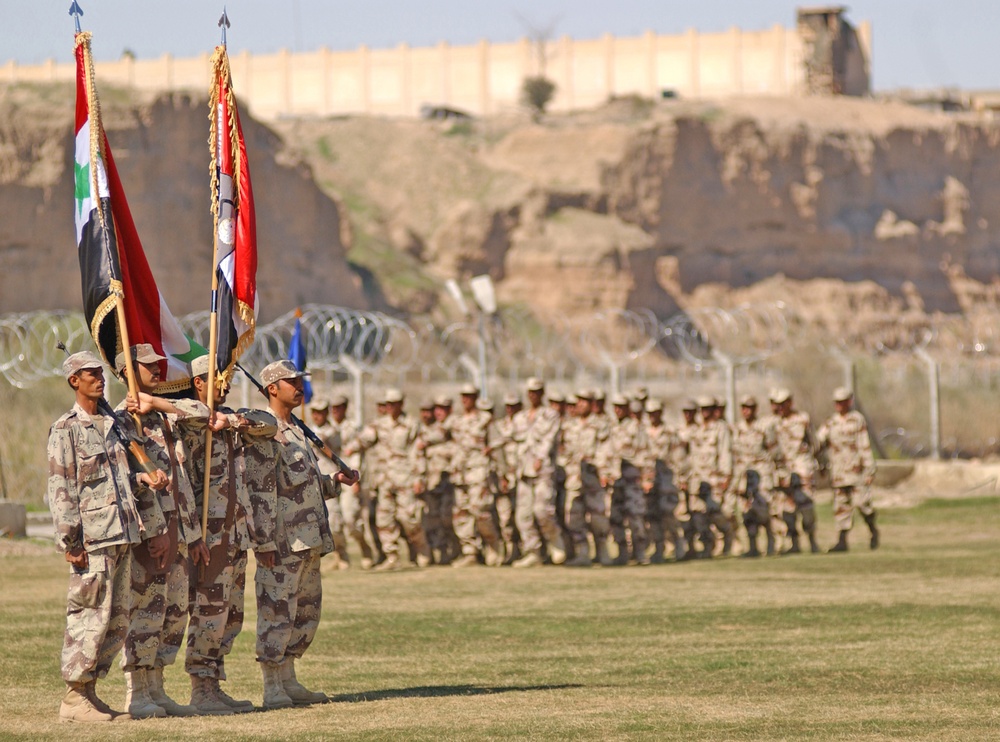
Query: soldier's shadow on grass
pixel 432 691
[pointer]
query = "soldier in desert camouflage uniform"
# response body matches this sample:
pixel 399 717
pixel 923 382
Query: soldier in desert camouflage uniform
pixel 682 474
pixel 506 458
pixel 99 509
pixel 619 459
pixel 795 438
pixel 398 510
pixel 217 589
pixel 160 589
pixel 288 584
pixel 536 431
pixel 586 506
pixel 319 414
pixel 845 438
pixel 473 513
pixel 755 447
pixel 438 447
pixel 711 469
pixel 659 462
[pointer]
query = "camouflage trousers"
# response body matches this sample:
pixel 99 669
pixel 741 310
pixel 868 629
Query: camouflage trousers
pixel 586 509
pixel 399 512
pixel 354 509
pixel 289 601
pixel 97 614
pixel 473 517
pixel 845 499
pixel 216 617
pixel 338 529
pixel 535 512
pixel 438 525
pixel 159 614
pixel 628 510
pixel 504 504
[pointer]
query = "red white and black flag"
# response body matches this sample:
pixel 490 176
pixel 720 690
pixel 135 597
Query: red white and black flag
pixel 112 261
pixel 235 223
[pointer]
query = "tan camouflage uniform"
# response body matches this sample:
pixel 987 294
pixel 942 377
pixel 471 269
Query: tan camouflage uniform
pixel 398 510
pixel 586 504
pixel 711 464
pixel 96 505
pixel 619 460
pixel 217 592
pixel 795 439
pixel 160 600
pixel 663 455
pixel 536 432
pixel 505 456
pixel 439 497
pixel 473 511
pixel 290 519
pixel 755 448
pixel 852 467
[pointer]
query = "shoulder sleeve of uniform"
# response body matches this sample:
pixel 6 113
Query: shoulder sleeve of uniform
pixel 62 493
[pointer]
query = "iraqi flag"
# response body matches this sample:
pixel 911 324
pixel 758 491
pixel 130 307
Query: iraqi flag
pixel 235 302
pixel 112 262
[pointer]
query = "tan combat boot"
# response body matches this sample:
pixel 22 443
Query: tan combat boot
pixel 531 559
pixel 140 705
pixel 466 560
pixel 239 706
pixel 204 701
pixel 158 696
pixel 275 696
pixel 76 706
pixel 557 551
pixel 601 547
pixel 300 695
pixel 494 554
pixel 91 689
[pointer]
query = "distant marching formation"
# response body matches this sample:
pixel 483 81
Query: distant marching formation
pixel 556 480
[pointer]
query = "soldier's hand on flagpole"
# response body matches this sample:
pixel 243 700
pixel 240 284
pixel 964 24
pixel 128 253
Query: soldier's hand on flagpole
pixel 200 553
pixel 346 479
pixel 219 421
pixel 155 481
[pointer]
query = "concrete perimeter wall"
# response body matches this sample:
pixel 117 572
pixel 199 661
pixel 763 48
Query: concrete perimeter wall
pixel 481 79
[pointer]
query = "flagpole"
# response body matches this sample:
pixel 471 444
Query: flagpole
pixel 97 145
pixel 213 332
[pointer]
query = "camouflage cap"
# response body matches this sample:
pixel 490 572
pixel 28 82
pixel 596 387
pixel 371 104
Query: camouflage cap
pixel 636 406
pixel 599 395
pixel 393 395
pixel 442 400
pixel 511 400
pixel 705 401
pixel 587 394
pixel 78 362
pixel 748 400
pixel 654 405
pixel 469 389
pixel 842 394
pixel 619 400
pixel 689 405
pixel 338 400
pixel 570 399
pixel 485 404
pixel 534 384
pixel 275 372
pixel 319 403
pixel 427 404
pixel 557 397
pixel 141 352
pixel 640 393
pixel 199 366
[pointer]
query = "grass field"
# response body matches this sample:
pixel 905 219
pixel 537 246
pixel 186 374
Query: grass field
pixel 896 644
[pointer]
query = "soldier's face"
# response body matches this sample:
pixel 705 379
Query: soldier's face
pixel 89 383
pixel 749 412
pixel 535 397
pixel 688 416
pixel 289 391
pixel 200 384
pixel 655 418
pixel 621 411
pixel 441 413
pixel 338 412
pixel 426 416
pixel 319 417
pixel 149 375
pixel 395 409
pixel 843 407
pixel 583 408
pixel 468 402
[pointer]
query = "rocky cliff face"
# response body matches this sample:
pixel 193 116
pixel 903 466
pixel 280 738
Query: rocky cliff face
pixel 162 156
pixel 667 206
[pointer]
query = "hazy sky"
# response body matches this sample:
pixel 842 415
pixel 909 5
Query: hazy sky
pixel 917 43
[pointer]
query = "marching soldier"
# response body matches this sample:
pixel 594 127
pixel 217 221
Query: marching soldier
pixel 398 511
pixel 620 458
pixel 658 481
pixel 438 447
pixel 100 510
pixel 795 439
pixel 845 437
pixel 160 587
pixel 755 448
pixel 473 514
pixel 507 476
pixel 586 505
pixel 536 431
pixel 217 589
pixel 294 532
pixel 319 412
pixel 711 469
pixel 688 489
